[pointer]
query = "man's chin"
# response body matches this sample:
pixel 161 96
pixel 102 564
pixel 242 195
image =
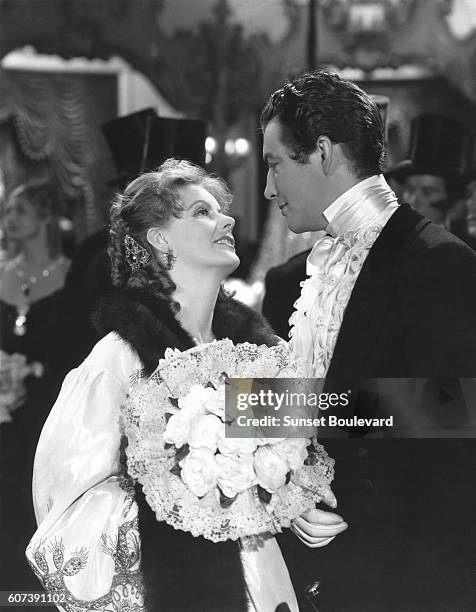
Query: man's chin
pixel 296 228
pixel 296 231
pixel 300 227
pixel 292 225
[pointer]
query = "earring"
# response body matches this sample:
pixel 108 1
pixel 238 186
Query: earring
pixel 136 256
pixel 169 258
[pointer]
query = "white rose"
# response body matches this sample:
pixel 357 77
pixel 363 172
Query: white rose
pixel 215 402
pixel 270 441
pixel 270 468
pixel 199 471
pixel 235 474
pixel 236 446
pixel 192 404
pixel 177 430
pixel 293 451
pixel 205 431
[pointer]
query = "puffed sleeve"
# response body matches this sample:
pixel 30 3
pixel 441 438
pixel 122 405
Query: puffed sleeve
pixel 86 550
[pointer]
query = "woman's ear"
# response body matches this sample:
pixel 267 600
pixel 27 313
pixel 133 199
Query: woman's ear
pixel 156 238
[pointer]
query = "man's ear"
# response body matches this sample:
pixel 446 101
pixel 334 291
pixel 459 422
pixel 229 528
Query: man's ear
pixel 156 238
pixel 325 151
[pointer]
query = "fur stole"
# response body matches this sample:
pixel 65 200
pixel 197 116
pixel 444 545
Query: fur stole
pixel 148 324
pixel 180 572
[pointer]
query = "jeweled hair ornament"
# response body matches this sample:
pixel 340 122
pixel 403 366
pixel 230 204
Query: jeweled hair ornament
pixel 136 256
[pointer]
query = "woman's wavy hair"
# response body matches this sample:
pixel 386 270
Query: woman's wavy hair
pixel 43 198
pixel 151 200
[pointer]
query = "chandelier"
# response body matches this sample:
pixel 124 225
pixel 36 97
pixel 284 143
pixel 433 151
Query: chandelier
pixel 368 16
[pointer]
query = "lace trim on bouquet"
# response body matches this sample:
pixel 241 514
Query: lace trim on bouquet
pixel 195 478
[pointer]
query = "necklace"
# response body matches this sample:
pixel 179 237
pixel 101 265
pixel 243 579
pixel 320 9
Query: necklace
pixel 26 286
pixel 28 282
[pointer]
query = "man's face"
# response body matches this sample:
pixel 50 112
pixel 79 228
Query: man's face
pixel 299 189
pixel 427 195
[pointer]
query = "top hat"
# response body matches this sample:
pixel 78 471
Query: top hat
pixel 439 146
pixel 142 141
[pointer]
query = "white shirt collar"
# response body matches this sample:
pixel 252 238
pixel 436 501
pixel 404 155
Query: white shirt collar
pixel 358 206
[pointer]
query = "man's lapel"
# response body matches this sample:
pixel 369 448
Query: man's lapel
pixel 371 297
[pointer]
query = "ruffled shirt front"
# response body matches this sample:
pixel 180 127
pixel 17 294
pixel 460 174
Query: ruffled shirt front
pixel 355 219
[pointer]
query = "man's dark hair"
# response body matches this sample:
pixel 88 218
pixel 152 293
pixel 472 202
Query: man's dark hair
pixel 322 104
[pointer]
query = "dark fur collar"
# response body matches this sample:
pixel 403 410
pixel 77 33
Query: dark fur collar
pixel 148 324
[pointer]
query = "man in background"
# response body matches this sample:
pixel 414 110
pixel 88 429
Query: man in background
pixel 430 179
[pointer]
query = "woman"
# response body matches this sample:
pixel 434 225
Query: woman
pixel 171 248
pixel 30 279
pixel 33 274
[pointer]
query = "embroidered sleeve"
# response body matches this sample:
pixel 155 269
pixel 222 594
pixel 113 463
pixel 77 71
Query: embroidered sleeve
pixel 86 550
pixel 89 560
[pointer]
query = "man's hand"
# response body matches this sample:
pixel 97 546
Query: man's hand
pixel 316 527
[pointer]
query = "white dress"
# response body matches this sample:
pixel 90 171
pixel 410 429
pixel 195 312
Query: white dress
pixel 86 548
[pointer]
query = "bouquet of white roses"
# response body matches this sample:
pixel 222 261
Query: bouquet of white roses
pixel 195 477
pixel 13 371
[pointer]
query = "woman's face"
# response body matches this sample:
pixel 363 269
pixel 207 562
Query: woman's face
pixel 20 220
pixel 202 236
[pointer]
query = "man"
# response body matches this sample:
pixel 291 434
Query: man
pixel 430 180
pixel 439 151
pixel 389 295
pixel 427 194
pixel 465 226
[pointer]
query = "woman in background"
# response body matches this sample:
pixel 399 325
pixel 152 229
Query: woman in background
pixel 31 277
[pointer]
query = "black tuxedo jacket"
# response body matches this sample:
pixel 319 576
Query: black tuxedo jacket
pixel 410 545
pixel 282 289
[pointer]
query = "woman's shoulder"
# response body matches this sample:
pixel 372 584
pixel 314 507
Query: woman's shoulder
pixel 113 356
